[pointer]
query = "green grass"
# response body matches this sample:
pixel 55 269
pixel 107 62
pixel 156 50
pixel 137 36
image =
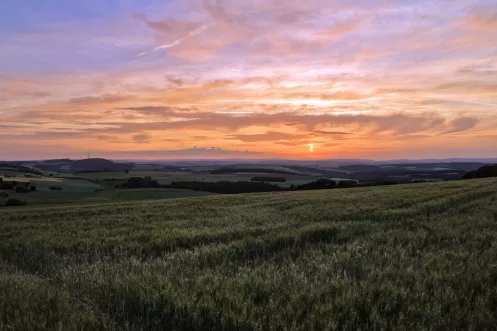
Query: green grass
pixel 81 191
pixel 67 197
pixel 68 185
pixel 73 191
pixel 407 257
pixel 12 172
pixel 166 178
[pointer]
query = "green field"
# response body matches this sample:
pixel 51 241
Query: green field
pixel 404 257
pixel 121 195
pixel 81 191
pixel 166 178
pixel 43 183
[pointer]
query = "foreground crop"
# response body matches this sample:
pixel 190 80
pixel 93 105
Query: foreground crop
pixel 412 257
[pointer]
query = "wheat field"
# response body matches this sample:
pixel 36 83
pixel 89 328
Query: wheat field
pixel 406 257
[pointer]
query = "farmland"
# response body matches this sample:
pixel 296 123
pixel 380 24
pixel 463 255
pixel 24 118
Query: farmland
pixel 404 257
pixel 82 190
pixel 100 180
pixel 167 178
pixel 41 198
pixel 100 186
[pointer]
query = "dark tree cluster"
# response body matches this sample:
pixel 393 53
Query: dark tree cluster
pixel 139 182
pixel 22 189
pixel 6 186
pixel 21 168
pixel 483 172
pixel 14 202
pixel 320 184
pixel 226 187
pixel 18 187
pixel 230 170
pixel 268 179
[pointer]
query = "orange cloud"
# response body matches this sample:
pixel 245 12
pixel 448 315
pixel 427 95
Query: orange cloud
pixel 482 18
pixel 269 76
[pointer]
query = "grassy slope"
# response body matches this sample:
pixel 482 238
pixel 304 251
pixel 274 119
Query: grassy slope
pixel 71 185
pixel 411 257
pixel 76 191
pixel 167 177
pixel 68 197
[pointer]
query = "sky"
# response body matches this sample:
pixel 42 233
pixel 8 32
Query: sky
pixel 299 79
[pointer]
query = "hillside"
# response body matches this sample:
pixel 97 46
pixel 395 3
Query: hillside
pixel 96 165
pixel 405 257
pixel 81 166
pixel 295 174
pixel 483 172
pixel 365 173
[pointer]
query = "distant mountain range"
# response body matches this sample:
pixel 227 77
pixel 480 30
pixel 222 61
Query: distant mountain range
pixel 80 166
pixel 364 171
pixel 118 164
pixel 328 162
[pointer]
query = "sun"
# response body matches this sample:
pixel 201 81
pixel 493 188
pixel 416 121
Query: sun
pixel 311 147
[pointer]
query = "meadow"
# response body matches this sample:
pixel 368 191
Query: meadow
pixel 85 190
pixel 166 178
pixel 66 197
pixel 404 257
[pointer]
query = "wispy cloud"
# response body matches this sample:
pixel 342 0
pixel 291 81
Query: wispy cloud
pixel 188 153
pixel 176 42
pixel 349 77
pixel 462 124
pixel 141 138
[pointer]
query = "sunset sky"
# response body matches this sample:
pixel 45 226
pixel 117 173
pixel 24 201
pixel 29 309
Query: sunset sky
pixel 307 79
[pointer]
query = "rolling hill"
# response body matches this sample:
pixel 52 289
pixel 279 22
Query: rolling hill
pixel 483 172
pixel 81 166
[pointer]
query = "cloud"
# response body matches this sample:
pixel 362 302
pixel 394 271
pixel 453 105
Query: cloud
pixel 254 28
pixel 334 133
pixel 104 99
pixel 268 136
pixel 14 126
pixel 344 95
pixel 175 80
pixel 141 138
pixel 175 42
pixel 190 153
pixel 482 19
pixel 54 136
pixel 478 70
pixel 323 120
pixel 468 87
pixel 462 124
pixel 286 138
pixel 338 30
pixel 190 39
pixel 12 93
pixel 174 28
pixel 263 72
pixel 149 109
